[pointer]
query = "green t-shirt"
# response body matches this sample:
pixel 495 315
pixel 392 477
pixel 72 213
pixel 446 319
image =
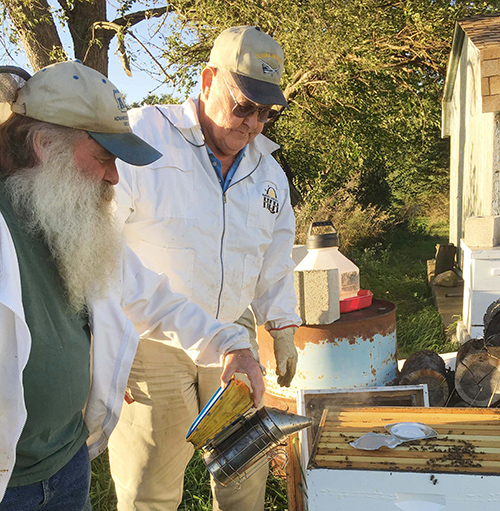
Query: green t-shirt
pixel 56 379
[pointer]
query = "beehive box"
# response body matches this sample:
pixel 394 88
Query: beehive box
pixel 458 469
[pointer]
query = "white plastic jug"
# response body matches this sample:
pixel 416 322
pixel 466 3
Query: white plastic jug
pixel 323 254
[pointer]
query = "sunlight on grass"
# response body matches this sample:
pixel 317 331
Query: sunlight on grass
pixel 397 271
pixel 422 330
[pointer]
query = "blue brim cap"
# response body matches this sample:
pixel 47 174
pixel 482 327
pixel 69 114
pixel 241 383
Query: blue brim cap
pixel 255 61
pixel 127 147
pixel 262 93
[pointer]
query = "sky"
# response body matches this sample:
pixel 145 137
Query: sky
pixel 135 88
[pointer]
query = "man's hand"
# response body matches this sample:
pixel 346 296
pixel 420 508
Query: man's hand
pixel 286 354
pixel 242 361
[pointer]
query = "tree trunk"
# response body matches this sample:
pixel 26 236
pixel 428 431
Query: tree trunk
pixel 91 47
pixel 477 374
pixel 427 367
pixel 37 31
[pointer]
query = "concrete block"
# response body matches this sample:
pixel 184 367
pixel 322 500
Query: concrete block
pixel 317 296
pixel 490 67
pixel 482 231
pixel 494 85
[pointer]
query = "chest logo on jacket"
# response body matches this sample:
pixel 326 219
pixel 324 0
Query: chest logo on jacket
pixel 271 200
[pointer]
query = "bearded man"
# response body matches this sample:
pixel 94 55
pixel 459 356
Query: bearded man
pixel 69 290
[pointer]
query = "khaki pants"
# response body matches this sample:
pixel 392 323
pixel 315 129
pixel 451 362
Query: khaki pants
pixel 148 449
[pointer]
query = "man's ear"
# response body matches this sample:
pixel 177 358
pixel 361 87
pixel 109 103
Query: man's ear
pixel 207 77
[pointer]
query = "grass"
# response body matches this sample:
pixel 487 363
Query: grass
pixel 196 496
pixel 102 489
pixel 394 270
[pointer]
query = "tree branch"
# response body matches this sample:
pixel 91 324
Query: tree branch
pixel 300 79
pixel 35 26
pixel 120 32
pixel 129 20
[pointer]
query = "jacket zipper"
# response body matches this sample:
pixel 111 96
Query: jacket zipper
pixel 248 175
pixel 221 251
pixel 224 232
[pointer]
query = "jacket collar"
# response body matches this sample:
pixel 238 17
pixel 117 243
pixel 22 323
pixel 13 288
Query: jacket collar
pixel 185 117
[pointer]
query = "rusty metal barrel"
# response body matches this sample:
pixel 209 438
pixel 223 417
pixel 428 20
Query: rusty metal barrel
pixel 358 350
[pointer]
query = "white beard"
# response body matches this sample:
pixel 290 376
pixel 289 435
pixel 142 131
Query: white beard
pixel 74 214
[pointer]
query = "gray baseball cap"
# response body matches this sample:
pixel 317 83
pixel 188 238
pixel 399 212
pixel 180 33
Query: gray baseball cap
pixel 76 96
pixel 255 61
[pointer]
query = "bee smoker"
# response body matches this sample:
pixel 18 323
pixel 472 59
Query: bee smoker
pixel 244 446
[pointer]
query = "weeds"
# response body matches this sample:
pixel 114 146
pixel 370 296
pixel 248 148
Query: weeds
pixel 356 225
pixel 102 488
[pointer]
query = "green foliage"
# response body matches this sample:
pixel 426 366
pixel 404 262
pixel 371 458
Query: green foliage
pixel 363 79
pixel 357 225
pixel 154 99
pixel 102 488
pixel 396 270
pixel 196 495
pixel 423 330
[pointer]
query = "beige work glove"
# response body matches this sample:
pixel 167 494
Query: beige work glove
pixel 285 353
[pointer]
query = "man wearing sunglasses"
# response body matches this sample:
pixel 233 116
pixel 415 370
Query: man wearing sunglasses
pixel 214 214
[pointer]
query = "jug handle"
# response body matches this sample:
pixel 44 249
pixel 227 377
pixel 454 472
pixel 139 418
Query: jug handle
pixel 321 224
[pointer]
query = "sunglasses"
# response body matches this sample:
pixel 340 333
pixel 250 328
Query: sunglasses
pixel 264 114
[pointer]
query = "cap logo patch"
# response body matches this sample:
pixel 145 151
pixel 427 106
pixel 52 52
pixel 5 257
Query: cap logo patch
pixel 267 69
pixel 119 101
pixel 270 201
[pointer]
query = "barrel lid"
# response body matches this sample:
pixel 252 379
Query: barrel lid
pixel 326 240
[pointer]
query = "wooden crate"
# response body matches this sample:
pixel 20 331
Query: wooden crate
pixel 468 440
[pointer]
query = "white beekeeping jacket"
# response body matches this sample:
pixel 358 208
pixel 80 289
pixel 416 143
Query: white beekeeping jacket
pixel 224 250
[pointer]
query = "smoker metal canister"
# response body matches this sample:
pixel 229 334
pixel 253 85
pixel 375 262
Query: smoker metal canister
pixel 231 455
